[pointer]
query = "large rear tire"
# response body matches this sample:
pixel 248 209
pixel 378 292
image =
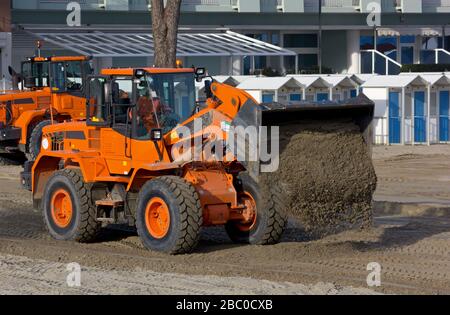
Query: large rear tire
pixel 69 213
pixel 169 215
pixel 269 221
pixel 35 140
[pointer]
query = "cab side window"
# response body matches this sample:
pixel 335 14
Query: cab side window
pixel 74 76
pixel 36 72
pixel 58 79
pixel 67 76
pixel 122 91
pixel 98 109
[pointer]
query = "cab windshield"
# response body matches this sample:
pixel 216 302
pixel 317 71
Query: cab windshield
pixel 175 91
pixel 68 75
pixel 165 101
pixel 38 71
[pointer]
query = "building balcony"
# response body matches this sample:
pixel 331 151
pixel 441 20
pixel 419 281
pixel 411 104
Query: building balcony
pixel 122 5
pixel 333 6
pixel 249 6
pixel 402 6
pixel 436 6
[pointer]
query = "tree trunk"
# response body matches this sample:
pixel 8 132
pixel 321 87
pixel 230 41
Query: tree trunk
pixel 165 20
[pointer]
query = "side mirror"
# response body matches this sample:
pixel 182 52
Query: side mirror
pixel 139 73
pixel 156 135
pixel 30 82
pixel 200 74
pixel 15 77
pixel 11 71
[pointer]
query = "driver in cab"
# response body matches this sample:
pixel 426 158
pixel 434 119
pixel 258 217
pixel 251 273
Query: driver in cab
pixel 153 113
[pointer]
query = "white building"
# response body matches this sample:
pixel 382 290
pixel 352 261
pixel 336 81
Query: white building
pixel 343 87
pixel 413 32
pixel 273 89
pixel 316 89
pixel 403 109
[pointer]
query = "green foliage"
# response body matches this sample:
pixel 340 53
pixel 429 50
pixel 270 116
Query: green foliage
pixel 267 72
pixel 426 68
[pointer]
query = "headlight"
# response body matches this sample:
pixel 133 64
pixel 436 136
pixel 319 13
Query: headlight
pixel 45 143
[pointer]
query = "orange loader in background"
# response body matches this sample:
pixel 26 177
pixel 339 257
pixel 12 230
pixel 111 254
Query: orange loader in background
pixel 51 89
pixel 118 167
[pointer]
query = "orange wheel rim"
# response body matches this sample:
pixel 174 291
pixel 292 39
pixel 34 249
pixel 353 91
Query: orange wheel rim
pixel 157 218
pixel 249 213
pixel 61 208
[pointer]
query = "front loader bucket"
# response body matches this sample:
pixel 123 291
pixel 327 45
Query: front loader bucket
pixel 357 112
pixel 324 168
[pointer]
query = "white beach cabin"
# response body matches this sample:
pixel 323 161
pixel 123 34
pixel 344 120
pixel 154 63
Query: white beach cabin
pixel 273 89
pixel 402 111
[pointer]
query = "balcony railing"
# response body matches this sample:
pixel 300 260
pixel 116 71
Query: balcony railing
pixel 330 6
pixel 333 5
pixel 378 63
pixel 194 5
pixel 123 5
pixel 442 56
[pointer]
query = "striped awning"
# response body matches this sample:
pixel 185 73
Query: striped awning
pixel 423 31
pixel 103 44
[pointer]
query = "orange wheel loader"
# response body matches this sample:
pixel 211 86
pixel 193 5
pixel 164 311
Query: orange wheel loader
pixel 118 166
pixel 51 88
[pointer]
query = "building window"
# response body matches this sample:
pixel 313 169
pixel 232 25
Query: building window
pixel 307 61
pixel 295 97
pixel 428 54
pixel 300 41
pixel 385 44
pixel 388 46
pixel 429 43
pixel 289 64
pixel 407 39
pixel 322 97
pixel 366 42
pixel 261 62
pixel 268 97
pixel 276 39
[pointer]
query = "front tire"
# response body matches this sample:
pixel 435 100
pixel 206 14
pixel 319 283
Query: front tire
pixel 169 215
pixel 69 213
pixel 269 220
pixel 35 140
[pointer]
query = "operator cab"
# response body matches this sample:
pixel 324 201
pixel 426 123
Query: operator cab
pixel 139 101
pixel 61 74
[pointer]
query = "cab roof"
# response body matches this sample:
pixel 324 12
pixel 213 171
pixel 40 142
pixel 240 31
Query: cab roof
pixel 130 71
pixel 58 58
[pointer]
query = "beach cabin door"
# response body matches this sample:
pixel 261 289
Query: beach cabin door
pixel 420 125
pixel 394 118
pixel 444 101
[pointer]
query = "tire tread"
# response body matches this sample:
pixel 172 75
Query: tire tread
pixel 88 228
pixel 191 213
